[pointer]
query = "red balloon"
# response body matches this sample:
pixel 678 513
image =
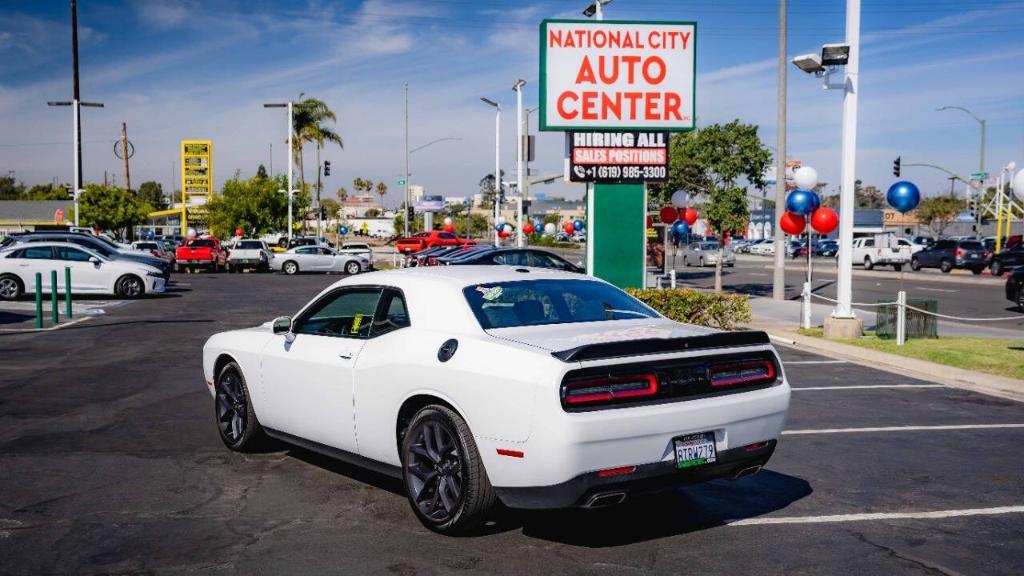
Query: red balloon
pixel 569 228
pixel 669 215
pixel 650 222
pixel 239 232
pixel 824 220
pixel 792 223
pixel 503 234
pixel 528 228
pixel 449 228
pixel 689 216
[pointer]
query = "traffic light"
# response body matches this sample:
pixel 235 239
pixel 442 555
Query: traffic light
pixel 410 213
pixel 896 167
pixel 327 167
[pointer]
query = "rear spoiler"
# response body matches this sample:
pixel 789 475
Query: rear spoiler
pixel 662 345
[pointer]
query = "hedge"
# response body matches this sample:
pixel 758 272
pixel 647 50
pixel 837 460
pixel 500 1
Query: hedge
pixel 694 307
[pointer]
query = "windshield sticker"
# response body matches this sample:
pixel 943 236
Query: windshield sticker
pixel 490 294
pixel 356 322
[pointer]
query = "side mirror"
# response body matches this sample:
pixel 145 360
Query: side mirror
pixel 94 260
pixel 283 325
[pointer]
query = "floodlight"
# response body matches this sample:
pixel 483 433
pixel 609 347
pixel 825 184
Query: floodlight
pixel 835 54
pixel 809 63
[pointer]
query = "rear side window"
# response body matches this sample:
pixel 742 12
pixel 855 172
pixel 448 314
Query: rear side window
pixel 200 243
pixel 72 254
pixel 394 314
pixel 944 244
pixel 972 245
pixel 35 253
pixel 249 245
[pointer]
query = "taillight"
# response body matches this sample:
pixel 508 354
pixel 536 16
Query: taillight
pixel 746 373
pixel 610 389
pixel 959 251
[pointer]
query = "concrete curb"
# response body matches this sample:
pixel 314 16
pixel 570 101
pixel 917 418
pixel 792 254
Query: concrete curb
pixel 908 275
pixel 1001 386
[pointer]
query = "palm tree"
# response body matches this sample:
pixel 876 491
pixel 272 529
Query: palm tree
pixel 308 122
pixel 342 194
pixel 382 189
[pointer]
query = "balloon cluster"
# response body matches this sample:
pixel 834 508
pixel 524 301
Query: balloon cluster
pixel 802 202
pixel 679 216
pixel 448 226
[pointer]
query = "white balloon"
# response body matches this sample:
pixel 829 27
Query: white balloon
pixel 549 228
pixel 447 221
pixel 805 178
pixel 508 228
pixel 679 199
pixel 191 232
pixel 502 220
pixel 1018 185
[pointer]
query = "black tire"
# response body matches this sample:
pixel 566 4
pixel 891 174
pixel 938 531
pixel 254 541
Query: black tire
pixel 701 263
pixel 868 264
pixel 290 267
pixel 11 287
pixel 897 267
pixel 946 266
pixel 130 286
pixel 237 424
pixel 352 268
pixel 977 271
pixel 446 485
pixel 915 264
pixel 997 268
pixel 686 262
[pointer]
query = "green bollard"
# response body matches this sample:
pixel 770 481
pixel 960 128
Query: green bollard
pixel 53 297
pixel 39 299
pixel 67 291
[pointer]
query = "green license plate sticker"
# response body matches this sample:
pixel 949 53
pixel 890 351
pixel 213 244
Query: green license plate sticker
pixel 695 450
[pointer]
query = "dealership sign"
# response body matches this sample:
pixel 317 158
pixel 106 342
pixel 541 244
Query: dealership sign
pixel 618 157
pixel 617 75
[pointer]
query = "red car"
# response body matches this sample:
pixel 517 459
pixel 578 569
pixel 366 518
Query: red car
pixel 423 240
pixel 201 253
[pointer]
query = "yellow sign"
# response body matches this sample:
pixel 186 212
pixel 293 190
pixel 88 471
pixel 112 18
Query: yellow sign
pixel 196 180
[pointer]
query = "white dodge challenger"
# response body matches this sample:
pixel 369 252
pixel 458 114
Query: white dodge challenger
pixel 480 384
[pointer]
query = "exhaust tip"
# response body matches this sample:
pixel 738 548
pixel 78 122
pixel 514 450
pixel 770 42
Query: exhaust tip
pixel 749 471
pixel 605 499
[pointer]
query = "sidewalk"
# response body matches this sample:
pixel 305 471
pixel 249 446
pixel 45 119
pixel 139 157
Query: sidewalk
pixel 828 266
pixel 780 319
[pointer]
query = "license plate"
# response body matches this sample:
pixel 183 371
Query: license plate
pixel 695 450
pixel 974 255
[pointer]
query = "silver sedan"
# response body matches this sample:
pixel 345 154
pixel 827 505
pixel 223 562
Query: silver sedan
pixel 318 259
pixel 706 254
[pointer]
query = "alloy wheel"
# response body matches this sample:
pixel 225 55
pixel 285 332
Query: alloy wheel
pixel 352 268
pixel 131 287
pixel 435 464
pixel 8 288
pixel 232 407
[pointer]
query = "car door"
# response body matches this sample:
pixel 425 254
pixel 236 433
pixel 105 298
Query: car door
pixel 308 382
pixel 336 261
pixel 29 260
pixel 85 275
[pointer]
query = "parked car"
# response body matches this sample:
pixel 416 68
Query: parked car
pixel 827 248
pixel 357 249
pixel 91 272
pixel 318 259
pixel 310 241
pixel 439 254
pixel 531 257
pixel 205 252
pixel 154 247
pixel 1007 259
pixel 949 254
pixel 706 253
pixel 763 247
pixel 1014 287
pixel 249 254
pixel 881 250
pixel 431 239
pixel 478 385
pixel 95 244
pixel 923 241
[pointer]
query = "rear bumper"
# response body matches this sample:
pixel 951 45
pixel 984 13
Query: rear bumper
pixel 647 478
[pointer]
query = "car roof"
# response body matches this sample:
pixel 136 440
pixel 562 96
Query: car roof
pixel 16 246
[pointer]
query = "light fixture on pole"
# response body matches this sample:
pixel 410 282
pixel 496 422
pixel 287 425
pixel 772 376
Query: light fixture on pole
pixel 518 88
pixel 595 9
pixel 497 164
pixel 290 106
pixel 981 161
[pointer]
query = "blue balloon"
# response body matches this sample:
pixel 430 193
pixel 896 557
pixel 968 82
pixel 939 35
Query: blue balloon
pixel 577 224
pixel 343 230
pixel 802 202
pixel 499 227
pixel 903 196
pixel 680 229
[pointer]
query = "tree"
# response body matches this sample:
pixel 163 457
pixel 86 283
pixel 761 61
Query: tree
pixel 261 172
pixel 10 189
pixel 331 207
pixel 940 211
pixel 152 193
pixel 371 213
pixel 309 119
pixel 254 205
pixel 111 208
pixel 342 194
pixel 382 189
pixel 709 163
pixel 47 192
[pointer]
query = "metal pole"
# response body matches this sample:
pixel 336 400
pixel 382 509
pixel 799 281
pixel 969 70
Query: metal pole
pixel 124 152
pixel 779 272
pixel 67 292
pixel 981 181
pixel 807 285
pixel 497 171
pixel 271 159
pixel 39 299
pixel 77 97
pixel 519 163
pixel 319 170
pixel 291 160
pixel 76 143
pixel 54 310
pixel 408 200
pixel 844 285
pixel 901 318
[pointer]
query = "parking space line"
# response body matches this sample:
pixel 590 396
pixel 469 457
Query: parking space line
pixel 878 516
pixel 901 429
pixel 937 290
pixel 790 363
pixel 869 386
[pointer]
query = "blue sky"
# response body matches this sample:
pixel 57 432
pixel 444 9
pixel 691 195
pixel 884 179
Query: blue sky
pixel 190 69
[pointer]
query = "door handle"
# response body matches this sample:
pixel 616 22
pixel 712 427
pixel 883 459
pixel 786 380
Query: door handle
pixel 345 355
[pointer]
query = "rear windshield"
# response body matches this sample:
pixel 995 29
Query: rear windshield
pixel 542 302
pixel 200 243
pixel 249 245
pixel 146 245
pixel 972 245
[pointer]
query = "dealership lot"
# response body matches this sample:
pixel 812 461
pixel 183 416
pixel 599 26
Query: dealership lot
pixel 112 463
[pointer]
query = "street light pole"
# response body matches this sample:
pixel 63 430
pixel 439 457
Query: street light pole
pixel 844 285
pixel 408 200
pixel 981 161
pixel 497 165
pixel 779 272
pixel 518 88
pixel 290 106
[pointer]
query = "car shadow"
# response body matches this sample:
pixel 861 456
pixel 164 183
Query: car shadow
pixel 333 465
pixel 14 318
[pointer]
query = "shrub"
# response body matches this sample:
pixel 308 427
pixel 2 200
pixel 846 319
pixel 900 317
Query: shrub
pixel 694 307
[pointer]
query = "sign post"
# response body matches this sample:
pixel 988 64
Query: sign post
pixel 618 87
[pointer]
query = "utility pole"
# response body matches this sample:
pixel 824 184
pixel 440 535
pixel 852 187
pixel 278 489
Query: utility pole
pixel 124 152
pixel 497 165
pixel 981 162
pixel 844 285
pixel 408 201
pixel 319 219
pixel 779 272
pixel 520 177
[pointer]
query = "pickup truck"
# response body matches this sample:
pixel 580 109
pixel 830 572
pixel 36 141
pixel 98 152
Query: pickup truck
pixel 249 254
pixel 431 239
pixel 881 249
pixel 200 253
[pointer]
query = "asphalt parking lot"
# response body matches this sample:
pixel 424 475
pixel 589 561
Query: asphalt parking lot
pixel 112 464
